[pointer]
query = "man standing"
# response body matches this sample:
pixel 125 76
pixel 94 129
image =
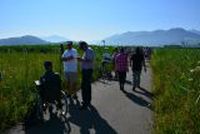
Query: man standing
pixel 87 65
pixel 136 62
pixel 121 66
pixel 69 58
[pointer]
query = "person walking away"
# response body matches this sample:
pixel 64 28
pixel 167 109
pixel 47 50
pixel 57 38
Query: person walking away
pixel 87 66
pixel 69 59
pixel 137 61
pixel 121 62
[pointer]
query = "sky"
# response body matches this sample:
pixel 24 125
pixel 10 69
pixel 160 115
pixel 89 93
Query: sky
pixel 94 19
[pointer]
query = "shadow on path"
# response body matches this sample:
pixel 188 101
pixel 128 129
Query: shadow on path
pixel 138 100
pixel 144 92
pixel 53 126
pixel 88 119
pixel 106 82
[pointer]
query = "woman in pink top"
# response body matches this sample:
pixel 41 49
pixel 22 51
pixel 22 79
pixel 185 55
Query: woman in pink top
pixel 121 66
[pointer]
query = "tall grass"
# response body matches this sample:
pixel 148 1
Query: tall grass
pixel 177 90
pixel 16 89
pixel 19 67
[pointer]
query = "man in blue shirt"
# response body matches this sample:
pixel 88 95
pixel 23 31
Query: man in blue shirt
pixel 87 66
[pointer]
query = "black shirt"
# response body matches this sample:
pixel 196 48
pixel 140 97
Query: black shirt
pixel 137 61
pixel 51 85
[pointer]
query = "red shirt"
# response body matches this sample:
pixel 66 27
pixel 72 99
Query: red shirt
pixel 121 62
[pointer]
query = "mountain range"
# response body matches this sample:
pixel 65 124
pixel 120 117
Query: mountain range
pixel 195 31
pixel 174 36
pixel 55 38
pixel 24 40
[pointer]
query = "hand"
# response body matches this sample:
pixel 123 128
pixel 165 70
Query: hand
pixel 67 58
pixel 79 58
pixel 71 57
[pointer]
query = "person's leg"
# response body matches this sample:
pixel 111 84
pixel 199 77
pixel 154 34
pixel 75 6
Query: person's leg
pixel 138 78
pixel 89 87
pixel 88 94
pixel 74 80
pixel 84 86
pixel 123 78
pixel 134 79
pixel 70 82
pixel 120 75
pixel 67 84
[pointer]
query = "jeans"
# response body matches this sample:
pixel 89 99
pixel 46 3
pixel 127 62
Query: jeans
pixel 136 78
pixel 86 86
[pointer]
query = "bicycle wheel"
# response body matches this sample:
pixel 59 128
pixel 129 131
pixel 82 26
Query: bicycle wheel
pixel 39 110
pixel 65 103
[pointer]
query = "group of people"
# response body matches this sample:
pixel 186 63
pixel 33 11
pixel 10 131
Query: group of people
pixel 70 59
pixel 121 63
pixel 52 82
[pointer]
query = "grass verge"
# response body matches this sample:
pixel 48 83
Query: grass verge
pixel 176 82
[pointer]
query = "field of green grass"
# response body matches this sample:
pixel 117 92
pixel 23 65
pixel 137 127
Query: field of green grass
pixel 19 67
pixel 176 79
pixel 176 84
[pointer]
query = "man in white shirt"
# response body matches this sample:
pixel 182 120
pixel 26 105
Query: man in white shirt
pixel 69 59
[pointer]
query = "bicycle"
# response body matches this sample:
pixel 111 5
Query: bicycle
pixel 42 107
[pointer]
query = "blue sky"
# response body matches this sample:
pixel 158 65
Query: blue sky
pixel 94 19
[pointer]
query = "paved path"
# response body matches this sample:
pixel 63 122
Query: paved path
pixel 113 111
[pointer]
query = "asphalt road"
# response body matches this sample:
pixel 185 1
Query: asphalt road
pixel 112 111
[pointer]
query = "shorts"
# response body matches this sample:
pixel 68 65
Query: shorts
pixel 71 77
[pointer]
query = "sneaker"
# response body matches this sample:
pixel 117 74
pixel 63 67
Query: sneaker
pixel 133 88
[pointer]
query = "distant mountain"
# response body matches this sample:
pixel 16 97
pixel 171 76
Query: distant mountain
pixel 159 37
pixel 195 31
pixel 55 38
pixel 24 40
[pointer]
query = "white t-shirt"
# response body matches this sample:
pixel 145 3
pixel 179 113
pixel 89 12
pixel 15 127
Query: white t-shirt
pixel 71 65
